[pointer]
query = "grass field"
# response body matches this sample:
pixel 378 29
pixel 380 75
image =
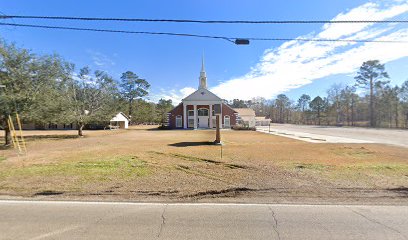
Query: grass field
pixel 148 164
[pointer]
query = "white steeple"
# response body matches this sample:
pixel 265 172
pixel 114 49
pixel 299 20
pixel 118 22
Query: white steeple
pixel 203 76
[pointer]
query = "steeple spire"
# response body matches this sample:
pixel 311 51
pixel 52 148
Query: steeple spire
pixel 202 64
pixel 203 75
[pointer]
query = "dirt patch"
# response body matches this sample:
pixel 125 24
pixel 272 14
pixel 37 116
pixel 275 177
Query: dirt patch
pixel 48 193
pixel 233 191
pixel 192 158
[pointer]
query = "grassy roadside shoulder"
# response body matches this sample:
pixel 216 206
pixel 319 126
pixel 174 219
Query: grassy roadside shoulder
pixel 72 175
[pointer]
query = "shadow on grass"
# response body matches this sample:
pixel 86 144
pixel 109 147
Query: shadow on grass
pixel 53 137
pixel 191 144
pixel 155 129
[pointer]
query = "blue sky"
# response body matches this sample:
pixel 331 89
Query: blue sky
pixel 172 64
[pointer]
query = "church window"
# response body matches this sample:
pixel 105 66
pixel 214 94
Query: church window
pixel 179 122
pixel 203 112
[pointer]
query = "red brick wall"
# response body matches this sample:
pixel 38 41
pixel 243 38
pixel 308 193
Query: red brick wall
pixel 174 113
pixel 230 112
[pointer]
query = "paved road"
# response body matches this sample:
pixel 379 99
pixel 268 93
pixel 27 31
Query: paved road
pixel 321 134
pixel 80 220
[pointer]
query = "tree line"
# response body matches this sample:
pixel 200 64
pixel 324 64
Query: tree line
pixel 370 102
pixel 46 89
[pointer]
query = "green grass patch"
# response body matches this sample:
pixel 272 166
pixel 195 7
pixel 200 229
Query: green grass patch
pixel 2 158
pixel 380 167
pixel 104 169
pixel 311 166
pixel 354 152
pixel 385 167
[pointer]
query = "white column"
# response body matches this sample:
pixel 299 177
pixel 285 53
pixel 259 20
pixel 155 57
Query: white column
pixel 211 117
pixel 195 116
pixel 221 116
pixel 185 114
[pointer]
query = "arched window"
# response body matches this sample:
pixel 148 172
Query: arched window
pixel 227 121
pixel 179 121
pixel 202 112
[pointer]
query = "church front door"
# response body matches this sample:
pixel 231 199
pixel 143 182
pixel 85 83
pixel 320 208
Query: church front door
pixel 203 118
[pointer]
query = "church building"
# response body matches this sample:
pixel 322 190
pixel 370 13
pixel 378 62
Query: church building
pixel 196 111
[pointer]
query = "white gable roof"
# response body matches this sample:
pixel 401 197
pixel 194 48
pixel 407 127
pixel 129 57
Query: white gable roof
pixel 120 117
pixel 202 94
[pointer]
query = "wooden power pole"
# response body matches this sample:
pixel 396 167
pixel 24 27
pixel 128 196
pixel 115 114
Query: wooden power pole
pixel 217 131
pixel 217 112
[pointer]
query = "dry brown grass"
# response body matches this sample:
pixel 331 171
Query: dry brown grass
pixel 147 164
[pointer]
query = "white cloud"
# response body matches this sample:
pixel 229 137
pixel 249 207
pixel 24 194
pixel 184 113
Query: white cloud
pixel 175 95
pixel 100 59
pixel 295 64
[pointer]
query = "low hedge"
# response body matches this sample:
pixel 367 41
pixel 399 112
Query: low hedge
pixel 242 127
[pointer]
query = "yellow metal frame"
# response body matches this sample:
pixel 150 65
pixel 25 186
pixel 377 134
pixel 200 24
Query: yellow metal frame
pixel 17 139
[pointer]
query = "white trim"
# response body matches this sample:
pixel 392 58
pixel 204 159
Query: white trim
pixel 184 115
pixel 190 118
pixel 195 116
pixel 180 118
pixel 229 121
pixel 202 102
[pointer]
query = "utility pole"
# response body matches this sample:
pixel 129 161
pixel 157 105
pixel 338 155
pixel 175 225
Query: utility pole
pixel 218 132
pixel 217 111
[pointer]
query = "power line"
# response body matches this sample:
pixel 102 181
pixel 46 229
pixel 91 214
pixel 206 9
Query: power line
pixel 230 39
pixel 202 21
pixel 117 31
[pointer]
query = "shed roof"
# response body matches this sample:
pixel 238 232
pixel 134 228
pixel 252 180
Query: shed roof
pixel 120 117
pixel 245 111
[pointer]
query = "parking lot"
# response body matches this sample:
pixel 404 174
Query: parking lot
pixel 325 134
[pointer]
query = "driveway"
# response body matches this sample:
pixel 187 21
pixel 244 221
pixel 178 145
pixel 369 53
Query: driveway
pixel 324 134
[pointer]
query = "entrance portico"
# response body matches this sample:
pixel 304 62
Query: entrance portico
pixel 199 114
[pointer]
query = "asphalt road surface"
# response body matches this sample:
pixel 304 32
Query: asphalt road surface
pixel 322 134
pixel 84 220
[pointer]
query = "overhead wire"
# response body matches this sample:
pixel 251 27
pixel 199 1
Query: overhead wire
pixel 200 21
pixel 230 39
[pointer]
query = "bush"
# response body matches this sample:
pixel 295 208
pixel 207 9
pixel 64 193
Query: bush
pixel 164 127
pixel 242 127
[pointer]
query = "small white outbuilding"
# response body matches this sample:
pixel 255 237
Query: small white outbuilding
pixel 246 116
pixel 120 121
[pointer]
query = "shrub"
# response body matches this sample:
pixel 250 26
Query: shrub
pixel 164 127
pixel 242 127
